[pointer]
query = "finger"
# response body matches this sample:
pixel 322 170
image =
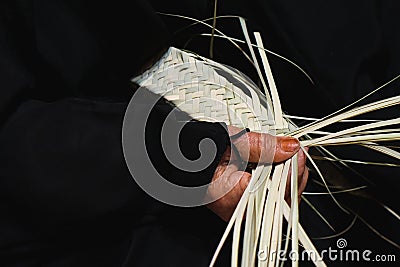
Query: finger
pixel 303 184
pixel 225 206
pixel 303 181
pixel 302 175
pixel 231 199
pixel 244 181
pixel 303 170
pixel 301 162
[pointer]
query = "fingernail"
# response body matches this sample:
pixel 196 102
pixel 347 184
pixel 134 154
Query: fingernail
pixel 290 144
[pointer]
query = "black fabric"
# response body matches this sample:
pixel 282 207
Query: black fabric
pixel 67 198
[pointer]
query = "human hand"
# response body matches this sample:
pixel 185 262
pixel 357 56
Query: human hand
pixel 254 148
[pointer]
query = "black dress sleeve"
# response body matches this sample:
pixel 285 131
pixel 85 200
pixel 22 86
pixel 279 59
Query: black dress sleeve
pixel 64 90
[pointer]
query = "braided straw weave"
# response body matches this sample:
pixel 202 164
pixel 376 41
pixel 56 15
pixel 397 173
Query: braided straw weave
pixel 208 91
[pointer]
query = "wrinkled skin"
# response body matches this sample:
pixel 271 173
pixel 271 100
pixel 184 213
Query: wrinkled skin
pixel 255 148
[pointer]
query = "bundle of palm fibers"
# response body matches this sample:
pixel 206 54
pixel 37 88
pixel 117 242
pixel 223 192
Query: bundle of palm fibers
pixel 211 91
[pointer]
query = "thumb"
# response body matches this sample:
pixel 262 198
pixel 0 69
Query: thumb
pixel 266 148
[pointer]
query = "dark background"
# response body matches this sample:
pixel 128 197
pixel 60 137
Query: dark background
pixel 76 58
